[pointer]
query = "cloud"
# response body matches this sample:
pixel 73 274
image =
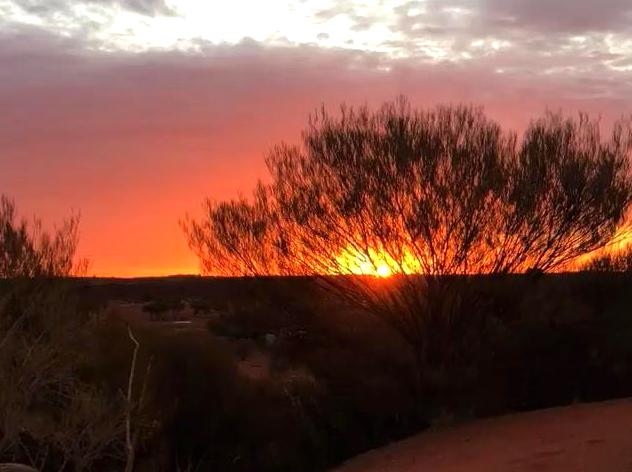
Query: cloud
pixel 515 17
pixel 573 16
pixel 446 29
pixel 427 30
pixel 50 8
pixel 135 140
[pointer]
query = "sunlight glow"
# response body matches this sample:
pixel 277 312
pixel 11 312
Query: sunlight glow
pixel 353 261
pixel 374 262
pixel 383 270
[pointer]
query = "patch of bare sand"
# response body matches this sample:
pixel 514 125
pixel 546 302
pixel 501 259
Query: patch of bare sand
pixel 593 437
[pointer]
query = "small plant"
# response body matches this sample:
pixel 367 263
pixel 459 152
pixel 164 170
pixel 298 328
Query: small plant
pixel 200 306
pixel 163 310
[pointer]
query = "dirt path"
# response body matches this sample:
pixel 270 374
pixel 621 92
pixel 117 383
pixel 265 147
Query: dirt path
pixel 595 437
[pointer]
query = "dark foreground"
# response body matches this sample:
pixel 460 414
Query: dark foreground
pixel 274 375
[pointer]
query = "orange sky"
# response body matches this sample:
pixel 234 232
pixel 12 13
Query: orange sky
pixel 134 128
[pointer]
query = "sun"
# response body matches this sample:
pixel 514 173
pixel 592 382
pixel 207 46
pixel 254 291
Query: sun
pixel 383 270
pixel 352 261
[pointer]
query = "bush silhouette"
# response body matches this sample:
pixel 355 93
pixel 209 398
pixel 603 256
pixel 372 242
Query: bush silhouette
pixel 429 197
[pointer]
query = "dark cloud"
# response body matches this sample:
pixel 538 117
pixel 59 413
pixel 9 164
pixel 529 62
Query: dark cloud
pixel 575 16
pixel 532 26
pixel 49 8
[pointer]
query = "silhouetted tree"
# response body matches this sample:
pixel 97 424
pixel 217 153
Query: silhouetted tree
pixel 237 237
pixel 427 196
pixel 28 251
pixel 49 416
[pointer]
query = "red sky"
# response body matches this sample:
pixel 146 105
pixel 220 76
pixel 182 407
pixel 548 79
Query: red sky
pixel 133 128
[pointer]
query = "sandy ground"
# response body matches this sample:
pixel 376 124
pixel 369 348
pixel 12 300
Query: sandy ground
pixel 595 437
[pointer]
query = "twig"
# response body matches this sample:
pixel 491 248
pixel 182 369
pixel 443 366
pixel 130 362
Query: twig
pixel 129 465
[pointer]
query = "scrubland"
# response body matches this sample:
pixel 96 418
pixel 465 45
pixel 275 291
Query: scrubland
pixel 273 374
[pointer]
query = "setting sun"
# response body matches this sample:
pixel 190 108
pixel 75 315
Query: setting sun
pixel 383 271
pixel 376 263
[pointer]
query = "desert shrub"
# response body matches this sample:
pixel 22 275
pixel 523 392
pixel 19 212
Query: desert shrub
pixel 215 418
pixel 555 341
pixel 200 306
pixel 427 197
pixel 362 369
pixel 340 381
pixel 612 262
pixel 160 310
pixel 52 417
pixel 264 316
pixel 27 251
pixel 328 402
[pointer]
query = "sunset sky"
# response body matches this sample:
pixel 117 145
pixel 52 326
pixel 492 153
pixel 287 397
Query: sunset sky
pixel 131 112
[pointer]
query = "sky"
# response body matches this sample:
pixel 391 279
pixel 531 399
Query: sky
pixel 131 112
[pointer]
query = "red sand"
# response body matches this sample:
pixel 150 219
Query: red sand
pixel 595 437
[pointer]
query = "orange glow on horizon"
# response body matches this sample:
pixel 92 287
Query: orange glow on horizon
pixel 374 262
pixel 353 261
pixel 620 242
pixel 132 272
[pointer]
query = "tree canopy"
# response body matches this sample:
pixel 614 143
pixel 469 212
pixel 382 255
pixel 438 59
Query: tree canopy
pixel 29 251
pixel 427 197
pixel 435 192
